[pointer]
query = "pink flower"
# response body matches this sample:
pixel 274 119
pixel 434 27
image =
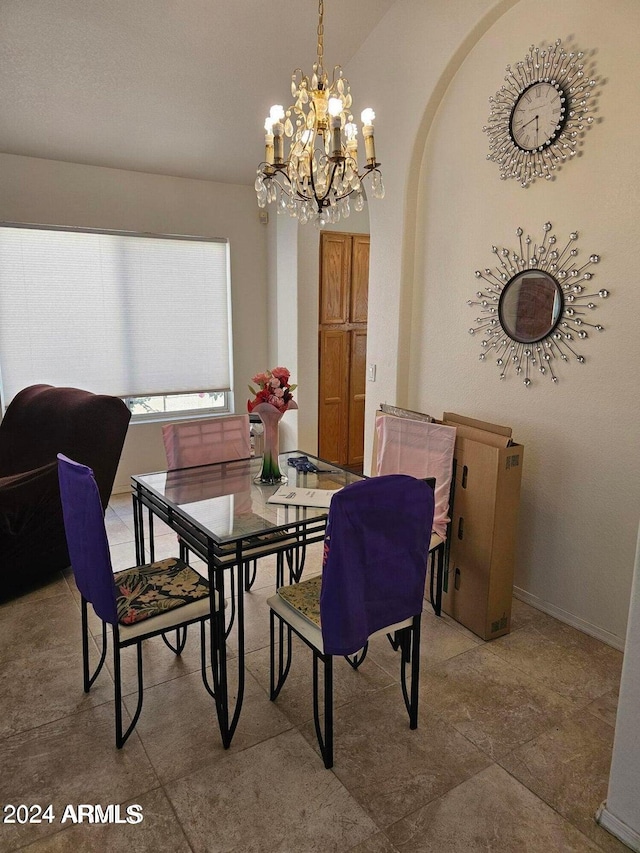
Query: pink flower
pixel 261 379
pixel 282 374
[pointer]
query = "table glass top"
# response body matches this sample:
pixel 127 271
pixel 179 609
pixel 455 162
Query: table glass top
pixel 225 501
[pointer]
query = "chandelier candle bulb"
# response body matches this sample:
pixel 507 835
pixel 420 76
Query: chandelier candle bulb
pixel 351 133
pixel 367 117
pixel 268 142
pixel 335 110
pixel 278 146
pixel 276 115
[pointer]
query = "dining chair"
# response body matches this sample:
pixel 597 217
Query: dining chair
pixel 372 582
pixel 421 448
pixel 221 439
pixel 138 603
pixel 206 440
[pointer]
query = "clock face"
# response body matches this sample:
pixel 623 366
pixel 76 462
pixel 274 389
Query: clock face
pixel 538 116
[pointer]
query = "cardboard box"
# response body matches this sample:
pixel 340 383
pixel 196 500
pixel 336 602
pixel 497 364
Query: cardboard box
pixel 478 585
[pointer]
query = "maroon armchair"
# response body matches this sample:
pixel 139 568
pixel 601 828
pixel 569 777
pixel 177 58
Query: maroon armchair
pixel 40 422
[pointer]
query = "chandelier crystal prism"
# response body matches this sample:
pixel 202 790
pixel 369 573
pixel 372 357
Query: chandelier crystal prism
pixel 320 174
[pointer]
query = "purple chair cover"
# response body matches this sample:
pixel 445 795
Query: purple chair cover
pixel 375 561
pixel 86 537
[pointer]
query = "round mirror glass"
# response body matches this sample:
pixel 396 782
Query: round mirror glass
pixel 530 306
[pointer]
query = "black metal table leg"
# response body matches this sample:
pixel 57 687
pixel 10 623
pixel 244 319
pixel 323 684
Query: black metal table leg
pixel 227 716
pixel 138 528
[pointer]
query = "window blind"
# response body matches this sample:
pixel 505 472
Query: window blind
pixel 122 314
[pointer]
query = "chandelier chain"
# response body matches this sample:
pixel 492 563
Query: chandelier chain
pixel 320 34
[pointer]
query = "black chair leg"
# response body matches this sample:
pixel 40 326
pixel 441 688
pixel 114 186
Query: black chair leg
pixel 325 739
pixel 436 578
pixel 355 660
pixel 410 643
pixel 183 552
pixel 284 655
pixel 204 638
pixel 87 677
pixel 295 560
pixel 394 642
pixel 181 639
pixel 117 676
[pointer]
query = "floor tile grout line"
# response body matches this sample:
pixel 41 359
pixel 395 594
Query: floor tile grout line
pixel 549 805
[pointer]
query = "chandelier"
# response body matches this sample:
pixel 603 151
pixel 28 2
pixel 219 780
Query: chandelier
pixel 320 173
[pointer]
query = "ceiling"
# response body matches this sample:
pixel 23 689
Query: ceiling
pixel 173 87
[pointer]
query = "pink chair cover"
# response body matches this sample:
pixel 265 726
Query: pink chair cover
pixel 201 442
pixel 419 449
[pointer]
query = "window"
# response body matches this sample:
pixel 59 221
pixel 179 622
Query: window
pixel 173 404
pixel 136 316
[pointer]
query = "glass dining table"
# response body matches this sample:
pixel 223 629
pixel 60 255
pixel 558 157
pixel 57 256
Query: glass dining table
pixel 222 515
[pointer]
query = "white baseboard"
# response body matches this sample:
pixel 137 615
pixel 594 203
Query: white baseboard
pixel 617 828
pixel 570 619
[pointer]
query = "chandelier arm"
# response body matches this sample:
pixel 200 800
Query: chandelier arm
pixel 273 178
pixel 321 201
pixel 313 188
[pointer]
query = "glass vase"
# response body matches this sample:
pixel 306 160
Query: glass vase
pixel 270 417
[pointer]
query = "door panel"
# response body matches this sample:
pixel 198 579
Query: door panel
pixel 360 279
pixel 357 387
pixel 335 271
pixel 333 393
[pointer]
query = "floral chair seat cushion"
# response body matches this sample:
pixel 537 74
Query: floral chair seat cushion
pixel 146 591
pixel 304 597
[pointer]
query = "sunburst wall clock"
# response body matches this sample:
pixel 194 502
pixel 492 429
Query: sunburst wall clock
pixel 534 306
pixel 538 115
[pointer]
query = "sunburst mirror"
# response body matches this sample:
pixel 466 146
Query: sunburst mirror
pixel 534 306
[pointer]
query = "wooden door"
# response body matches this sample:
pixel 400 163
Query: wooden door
pixel 344 280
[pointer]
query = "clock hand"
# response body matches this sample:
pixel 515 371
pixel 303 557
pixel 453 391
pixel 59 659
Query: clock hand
pixel 535 118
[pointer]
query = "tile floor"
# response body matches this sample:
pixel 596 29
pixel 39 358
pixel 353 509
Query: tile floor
pixel 512 751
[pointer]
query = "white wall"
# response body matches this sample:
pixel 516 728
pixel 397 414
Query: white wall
pixel 429 70
pixel 55 193
pixel 620 813
pixel 283 341
pixel 402 71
